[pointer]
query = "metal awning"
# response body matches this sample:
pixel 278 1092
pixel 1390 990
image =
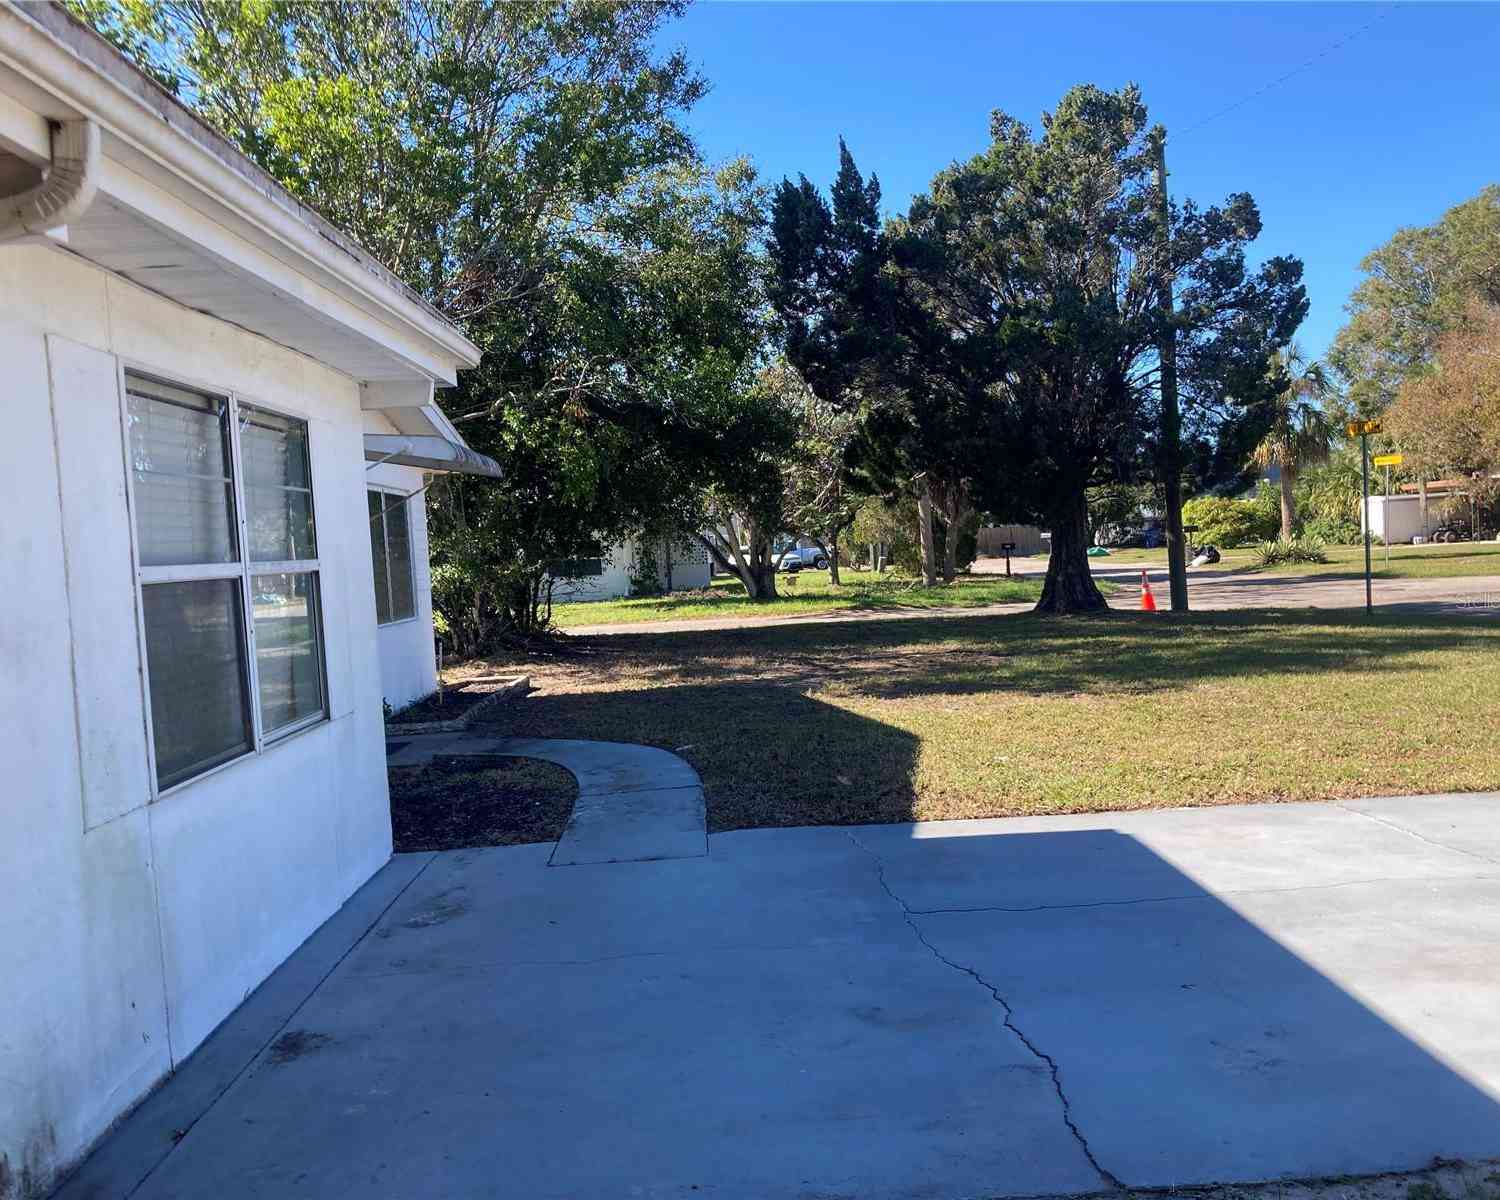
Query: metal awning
pixel 428 453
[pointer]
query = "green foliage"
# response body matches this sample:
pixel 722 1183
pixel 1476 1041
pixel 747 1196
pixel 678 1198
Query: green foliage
pixel 1115 509
pixel 1286 551
pixel 1005 349
pixel 745 503
pixel 630 393
pixel 1328 497
pixel 645 578
pixel 891 525
pixel 1230 523
pixel 820 498
pixel 522 166
pixel 1300 430
pixel 1417 287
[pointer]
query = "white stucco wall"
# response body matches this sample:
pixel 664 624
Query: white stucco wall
pixel 408 666
pixel 690 569
pixel 611 585
pixel 131 928
pixel 1399 518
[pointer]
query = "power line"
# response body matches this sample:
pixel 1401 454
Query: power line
pixel 1297 70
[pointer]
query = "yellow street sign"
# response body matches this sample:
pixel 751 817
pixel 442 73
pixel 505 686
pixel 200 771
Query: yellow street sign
pixel 1388 460
pixel 1356 428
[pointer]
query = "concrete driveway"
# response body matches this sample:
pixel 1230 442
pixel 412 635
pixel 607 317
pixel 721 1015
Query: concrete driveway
pixel 989 1008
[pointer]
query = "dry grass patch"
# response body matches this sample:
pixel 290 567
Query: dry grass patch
pixel 479 800
pixel 994 716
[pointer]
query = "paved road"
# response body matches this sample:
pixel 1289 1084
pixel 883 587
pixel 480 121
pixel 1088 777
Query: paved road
pixel 996 1008
pixel 1218 591
pixel 1209 591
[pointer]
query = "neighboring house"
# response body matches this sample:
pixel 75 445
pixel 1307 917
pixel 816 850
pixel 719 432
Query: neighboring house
pixel 676 564
pixel 195 637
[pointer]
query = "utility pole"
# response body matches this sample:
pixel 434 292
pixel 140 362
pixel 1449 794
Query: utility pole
pixel 1363 430
pixel 1171 415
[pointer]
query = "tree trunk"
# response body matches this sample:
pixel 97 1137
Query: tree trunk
pixel 760 579
pixel 954 517
pixel 758 573
pixel 1070 585
pixel 833 560
pixel 924 535
pixel 1288 505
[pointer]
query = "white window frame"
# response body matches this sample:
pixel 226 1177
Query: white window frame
pixel 243 571
pixel 411 561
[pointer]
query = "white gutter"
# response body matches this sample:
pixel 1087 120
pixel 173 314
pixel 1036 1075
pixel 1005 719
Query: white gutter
pixel 66 190
pixel 46 46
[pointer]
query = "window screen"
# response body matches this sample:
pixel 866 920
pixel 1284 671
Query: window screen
pixel 234 657
pixel 184 492
pixel 195 652
pixel 278 487
pixel 288 653
pixel 576 568
pixel 390 551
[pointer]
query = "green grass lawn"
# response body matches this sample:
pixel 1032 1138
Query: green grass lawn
pixel 929 719
pixel 1394 562
pixel 803 592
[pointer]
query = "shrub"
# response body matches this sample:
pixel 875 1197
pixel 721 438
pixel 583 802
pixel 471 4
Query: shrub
pixel 1228 523
pixel 1284 551
pixel 1337 531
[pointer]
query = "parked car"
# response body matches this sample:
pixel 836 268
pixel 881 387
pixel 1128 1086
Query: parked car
pixel 797 557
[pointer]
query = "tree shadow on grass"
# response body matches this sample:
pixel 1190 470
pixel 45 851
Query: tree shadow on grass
pixel 765 715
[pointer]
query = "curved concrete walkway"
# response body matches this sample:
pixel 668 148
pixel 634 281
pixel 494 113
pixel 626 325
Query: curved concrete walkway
pixel 635 803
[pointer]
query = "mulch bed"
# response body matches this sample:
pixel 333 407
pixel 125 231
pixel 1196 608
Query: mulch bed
pixel 479 800
pixel 447 705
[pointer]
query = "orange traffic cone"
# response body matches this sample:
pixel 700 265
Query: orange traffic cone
pixel 1148 601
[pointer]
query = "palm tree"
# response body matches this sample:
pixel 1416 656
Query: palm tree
pixel 1300 430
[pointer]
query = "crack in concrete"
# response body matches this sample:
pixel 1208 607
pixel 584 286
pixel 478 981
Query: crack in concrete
pixel 1412 833
pixel 909 916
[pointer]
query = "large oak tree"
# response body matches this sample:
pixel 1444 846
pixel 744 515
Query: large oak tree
pixel 1020 317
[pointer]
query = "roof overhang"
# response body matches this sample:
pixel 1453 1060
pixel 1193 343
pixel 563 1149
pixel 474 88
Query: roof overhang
pixel 428 452
pixel 180 211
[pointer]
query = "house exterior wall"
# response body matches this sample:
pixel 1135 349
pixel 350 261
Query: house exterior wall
pixel 140 925
pixel 690 569
pixel 408 665
pixel 611 585
pixel 689 562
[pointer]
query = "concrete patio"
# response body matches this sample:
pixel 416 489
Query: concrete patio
pixel 989 1008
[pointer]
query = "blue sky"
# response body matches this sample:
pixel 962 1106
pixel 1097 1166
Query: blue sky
pixel 1389 129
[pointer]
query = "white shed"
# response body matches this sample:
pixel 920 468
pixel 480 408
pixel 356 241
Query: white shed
pixel 207 593
pixel 1395 519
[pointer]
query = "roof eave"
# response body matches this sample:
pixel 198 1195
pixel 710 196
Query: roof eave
pixel 66 59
